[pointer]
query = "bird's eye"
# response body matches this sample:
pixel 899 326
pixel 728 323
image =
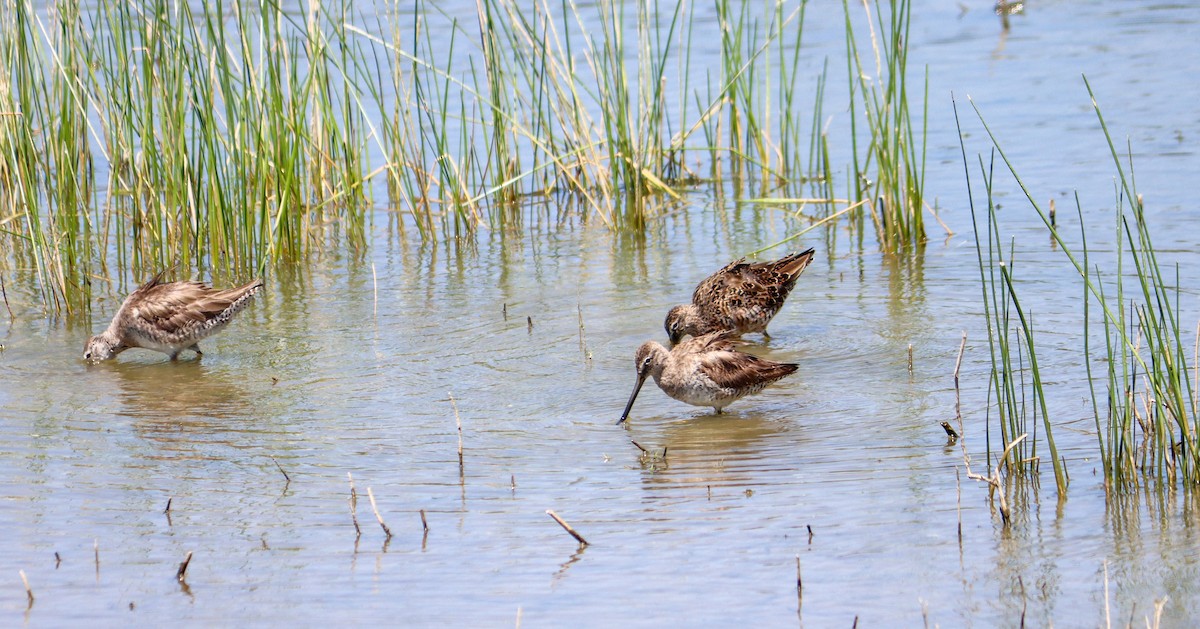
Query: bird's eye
pixel 87 355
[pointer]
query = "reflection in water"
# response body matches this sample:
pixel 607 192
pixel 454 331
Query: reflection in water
pixel 174 403
pixel 178 390
pixel 718 451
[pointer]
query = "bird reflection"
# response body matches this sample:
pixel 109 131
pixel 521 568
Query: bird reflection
pixel 717 450
pixel 168 399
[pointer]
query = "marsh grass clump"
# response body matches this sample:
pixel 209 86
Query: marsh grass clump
pixel 891 173
pixel 223 140
pixel 1145 415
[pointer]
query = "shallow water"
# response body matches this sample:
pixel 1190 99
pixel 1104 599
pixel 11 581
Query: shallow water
pixel 359 366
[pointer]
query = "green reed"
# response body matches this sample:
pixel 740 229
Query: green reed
pixel 226 140
pixel 1011 341
pixel 1147 420
pixel 892 172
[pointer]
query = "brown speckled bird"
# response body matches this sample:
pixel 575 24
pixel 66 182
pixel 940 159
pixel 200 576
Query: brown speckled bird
pixel 740 298
pixel 169 318
pixel 704 371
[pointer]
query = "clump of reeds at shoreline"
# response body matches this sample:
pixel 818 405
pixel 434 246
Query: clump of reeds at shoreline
pixel 227 140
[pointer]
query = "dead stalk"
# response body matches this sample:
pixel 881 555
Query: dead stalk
pixel 458 423
pixel 424 523
pixel 567 527
pixel 3 292
pixel 354 507
pixel 28 590
pixel 182 572
pixel 286 478
pixel 384 526
pixel 799 585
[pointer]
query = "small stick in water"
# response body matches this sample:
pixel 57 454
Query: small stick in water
pixel 567 527
pixel 504 311
pixel 382 525
pixel 1053 212
pixel 28 590
pixel 5 294
pixel 57 560
pixel 286 478
pixel 810 533
pixel 180 574
pixel 513 479
pixel 96 552
pixel 167 511
pixel 424 524
pixel 354 507
pixel 529 322
pixel 910 359
pixel 799 585
pixel 458 423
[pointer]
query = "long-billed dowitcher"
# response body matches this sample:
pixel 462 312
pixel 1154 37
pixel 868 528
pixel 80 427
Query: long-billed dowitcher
pixel 704 371
pixel 740 298
pixel 169 318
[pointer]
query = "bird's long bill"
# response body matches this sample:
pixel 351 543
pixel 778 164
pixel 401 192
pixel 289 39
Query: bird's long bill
pixel 633 396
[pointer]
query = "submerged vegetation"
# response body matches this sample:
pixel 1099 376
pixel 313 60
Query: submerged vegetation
pixel 230 138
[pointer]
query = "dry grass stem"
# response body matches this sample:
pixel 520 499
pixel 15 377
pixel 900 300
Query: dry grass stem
pixel 354 507
pixel 28 590
pixel 286 478
pixel 424 523
pixel 4 293
pixel 182 572
pixel 567 527
pixel 382 524
pixel 799 585
pixel 458 424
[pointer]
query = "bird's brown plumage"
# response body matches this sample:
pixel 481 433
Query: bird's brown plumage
pixel 741 297
pixel 706 370
pixel 169 317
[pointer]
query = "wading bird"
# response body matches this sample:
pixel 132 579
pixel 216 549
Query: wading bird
pixel 169 318
pixel 704 371
pixel 740 298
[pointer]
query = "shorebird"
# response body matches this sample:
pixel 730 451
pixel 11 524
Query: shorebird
pixel 740 298
pixel 704 371
pixel 169 318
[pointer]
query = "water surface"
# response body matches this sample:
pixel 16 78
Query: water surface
pixel 358 366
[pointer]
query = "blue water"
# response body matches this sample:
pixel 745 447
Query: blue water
pixel 349 366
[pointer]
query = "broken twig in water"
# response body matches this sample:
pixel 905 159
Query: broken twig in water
pixel 182 572
pixel 566 527
pixel 384 526
pixel 799 585
pixel 286 478
pixel 354 507
pixel 28 590
pixel 3 292
pixel 167 511
pixel 424 524
pixel 458 423
pixel 957 395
